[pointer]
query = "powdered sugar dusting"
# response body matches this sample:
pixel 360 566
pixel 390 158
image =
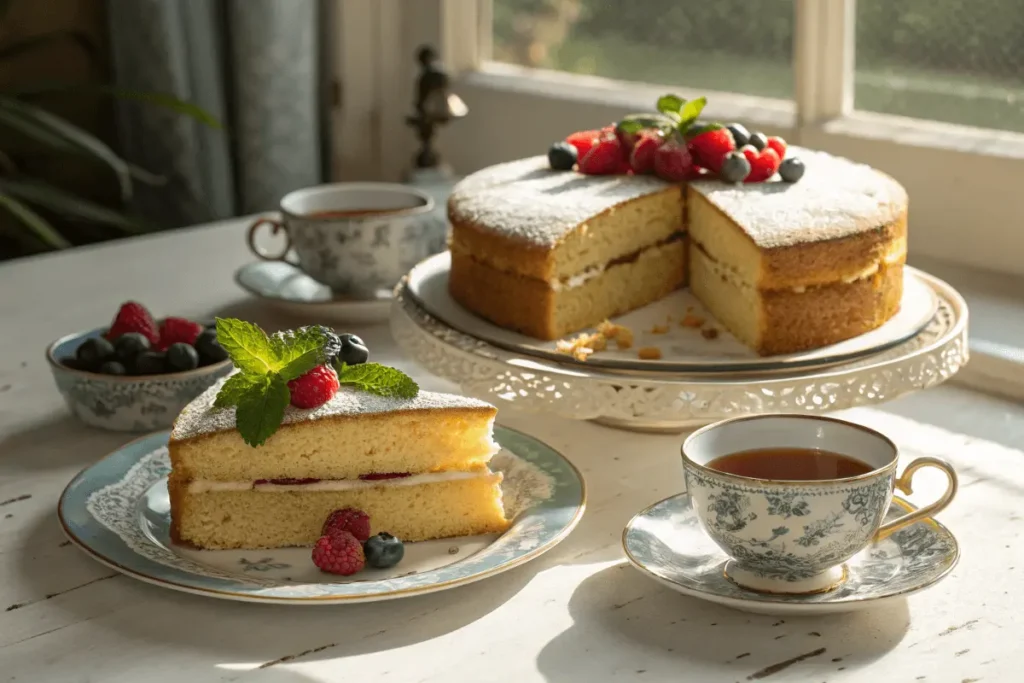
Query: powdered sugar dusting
pixel 200 417
pixel 835 198
pixel 524 484
pixel 528 202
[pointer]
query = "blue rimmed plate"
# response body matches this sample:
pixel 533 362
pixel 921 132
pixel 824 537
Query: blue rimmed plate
pixel 118 511
pixel 667 543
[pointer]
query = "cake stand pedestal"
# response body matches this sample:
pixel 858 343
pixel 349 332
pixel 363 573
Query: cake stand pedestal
pixel 670 402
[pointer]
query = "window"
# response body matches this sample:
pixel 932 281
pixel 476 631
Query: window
pixel 929 91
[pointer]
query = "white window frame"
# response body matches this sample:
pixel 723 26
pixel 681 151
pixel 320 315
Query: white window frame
pixel 966 184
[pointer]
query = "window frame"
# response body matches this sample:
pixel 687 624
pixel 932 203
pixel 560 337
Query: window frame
pixel 963 182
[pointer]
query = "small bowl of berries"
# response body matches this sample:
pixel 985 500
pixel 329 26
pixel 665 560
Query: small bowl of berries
pixel 138 373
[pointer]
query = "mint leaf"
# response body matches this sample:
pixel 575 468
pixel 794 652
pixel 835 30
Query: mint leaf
pixel 690 111
pixel 377 379
pixel 634 123
pixel 235 387
pixel 299 351
pixel 260 408
pixel 246 344
pixel 671 105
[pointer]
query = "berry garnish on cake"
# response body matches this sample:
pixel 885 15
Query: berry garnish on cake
pixel 674 145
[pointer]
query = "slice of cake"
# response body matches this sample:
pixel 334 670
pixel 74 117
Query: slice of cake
pixel 547 253
pixel 415 462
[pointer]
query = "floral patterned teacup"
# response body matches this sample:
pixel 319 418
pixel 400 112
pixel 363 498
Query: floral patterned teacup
pixel 356 238
pixel 795 536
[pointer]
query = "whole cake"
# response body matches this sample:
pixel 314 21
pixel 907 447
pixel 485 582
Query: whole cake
pixel 789 249
pixel 252 468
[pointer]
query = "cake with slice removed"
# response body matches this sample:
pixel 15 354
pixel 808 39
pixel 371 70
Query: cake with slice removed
pixel 415 462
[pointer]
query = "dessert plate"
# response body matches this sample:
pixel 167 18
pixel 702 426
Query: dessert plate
pixel 291 291
pixel 684 349
pixel 666 542
pixel 117 510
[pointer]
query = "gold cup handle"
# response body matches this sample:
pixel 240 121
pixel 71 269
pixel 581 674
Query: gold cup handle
pixel 275 227
pixel 903 483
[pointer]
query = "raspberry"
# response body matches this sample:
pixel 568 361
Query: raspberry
pixel 641 159
pixel 583 141
pixel 672 161
pixel 779 145
pixel 710 147
pixel 315 388
pixel 763 164
pixel 605 157
pixel 355 522
pixel 133 317
pixel 178 330
pixel 339 552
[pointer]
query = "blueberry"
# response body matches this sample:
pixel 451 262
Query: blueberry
pixel 112 367
pixel 562 156
pixel 76 364
pixel 129 345
pixel 739 134
pixel 735 168
pixel 792 169
pixel 209 349
pixel 353 350
pixel 383 551
pixel 758 140
pixel 150 363
pixel 182 357
pixel 94 352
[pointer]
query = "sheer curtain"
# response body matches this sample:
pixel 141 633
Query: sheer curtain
pixel 256 66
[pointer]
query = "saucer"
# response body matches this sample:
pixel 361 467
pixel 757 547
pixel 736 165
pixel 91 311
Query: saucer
pixel 288 289
pixel 666 542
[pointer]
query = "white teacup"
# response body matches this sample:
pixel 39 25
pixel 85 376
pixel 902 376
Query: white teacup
pixel 794 536
pixel 356 238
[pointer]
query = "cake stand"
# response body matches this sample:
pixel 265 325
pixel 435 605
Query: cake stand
pixel 672 402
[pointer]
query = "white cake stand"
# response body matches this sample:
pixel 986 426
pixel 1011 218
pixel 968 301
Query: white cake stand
pixel 662 402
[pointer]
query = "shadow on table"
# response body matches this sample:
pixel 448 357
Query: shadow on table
pixel 55 443
pixel 626 625
pixel 243 637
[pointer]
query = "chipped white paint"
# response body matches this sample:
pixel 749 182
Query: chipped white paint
pixel 577 614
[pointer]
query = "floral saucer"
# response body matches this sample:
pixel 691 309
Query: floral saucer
pixel 288 289
pixel 118 511
pixel 667 542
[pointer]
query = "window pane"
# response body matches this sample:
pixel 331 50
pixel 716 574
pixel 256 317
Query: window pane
pixel 960 61
pixel 730 45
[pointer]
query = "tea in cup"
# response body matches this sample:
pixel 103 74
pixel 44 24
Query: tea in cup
pixel 791 498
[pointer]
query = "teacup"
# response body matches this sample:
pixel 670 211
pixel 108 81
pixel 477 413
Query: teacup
pixel 794 536
pixel 356 238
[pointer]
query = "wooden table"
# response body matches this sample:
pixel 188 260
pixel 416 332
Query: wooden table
pixel 577 614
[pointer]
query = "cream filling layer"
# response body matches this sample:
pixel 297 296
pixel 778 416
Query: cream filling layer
pixel 208 486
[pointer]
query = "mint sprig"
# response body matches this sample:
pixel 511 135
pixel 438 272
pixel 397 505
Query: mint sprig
pixel 378 379
pixel 266 363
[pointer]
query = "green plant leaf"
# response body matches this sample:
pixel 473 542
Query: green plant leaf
pixel 77 137
pixel 39 226
pixel 670 105
pixel 377 379
pixel 247 344
pixel 18 121
pixel 261 408
pixel 235 387
pixel 690 112
pixel 298 351
pixel 70 205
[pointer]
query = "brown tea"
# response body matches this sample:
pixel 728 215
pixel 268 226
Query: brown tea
pixel 792 464
pixel 351 213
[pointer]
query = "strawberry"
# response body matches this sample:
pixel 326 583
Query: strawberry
pixel 672 161
pixel 779 145
pixel 583 141
pixel 763 164
pixel 133 317
pixel 641 158
pixel 175 330
pixel 605 157
pixel 710 147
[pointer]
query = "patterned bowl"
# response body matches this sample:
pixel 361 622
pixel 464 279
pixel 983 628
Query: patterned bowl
pixel 139 403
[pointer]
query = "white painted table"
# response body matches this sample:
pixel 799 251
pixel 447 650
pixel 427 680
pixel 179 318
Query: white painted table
pixel 577 614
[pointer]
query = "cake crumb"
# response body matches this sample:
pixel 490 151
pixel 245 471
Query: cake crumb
pixel 597 341
pixel 691 320
pixel 709 333
pixel 659 329
pixel 624 340
pixel 649 353
pixel 583 346
pixel 622 335
pixel 564 346
pixel 582 353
